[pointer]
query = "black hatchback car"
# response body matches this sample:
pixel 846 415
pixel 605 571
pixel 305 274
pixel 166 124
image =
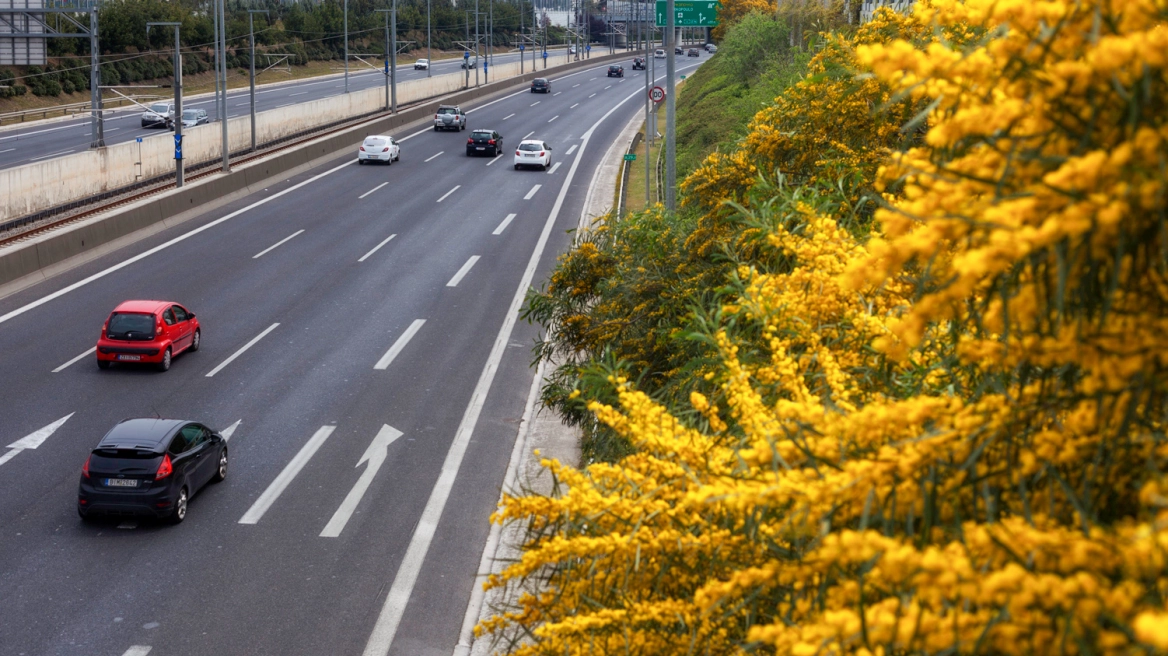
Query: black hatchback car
pixel 150 467
pixel 616 71
pixel 541 85
pixel 484 142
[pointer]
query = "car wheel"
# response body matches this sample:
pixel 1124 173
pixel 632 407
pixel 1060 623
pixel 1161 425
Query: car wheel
pixel 196 341
pixel 85 517
pixel 397 158
pixel 436 128
pixel 103 364
pixel 180 508
pixel 360 162
pixel 516 167
pixel 166 357
pixel 221 472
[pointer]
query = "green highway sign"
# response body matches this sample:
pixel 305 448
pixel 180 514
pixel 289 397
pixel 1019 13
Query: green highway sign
pixel 690 13
pixel 630 157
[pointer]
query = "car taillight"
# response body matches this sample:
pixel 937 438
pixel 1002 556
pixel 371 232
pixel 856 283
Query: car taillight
pixel 436 117
pixel 385 150
pixel 470 140
pixel 362 148
pixel 85 467
pixel 491 142
pixel 518 153
pixel 542 153
pixel 164 469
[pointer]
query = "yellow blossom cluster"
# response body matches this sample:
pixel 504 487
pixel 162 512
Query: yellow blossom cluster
pixel 945 437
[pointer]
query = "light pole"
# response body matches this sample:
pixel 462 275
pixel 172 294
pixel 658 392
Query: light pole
pixel 429 61
pixel 178 163
pixel 346 46
pixel 251 33
pixel 670 111
pixel 223 76
pixel 390 56
pixel 97 121
pixel 476 43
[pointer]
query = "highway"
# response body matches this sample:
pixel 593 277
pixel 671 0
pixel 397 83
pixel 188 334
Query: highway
pixel 48 139
pixel 339 307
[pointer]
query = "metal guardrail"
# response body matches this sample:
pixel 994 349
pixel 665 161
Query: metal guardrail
pixel 65 110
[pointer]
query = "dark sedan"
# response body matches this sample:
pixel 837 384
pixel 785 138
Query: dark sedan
pixel 541 85
pixel 484 142
pixel 150 467
pixel 616 71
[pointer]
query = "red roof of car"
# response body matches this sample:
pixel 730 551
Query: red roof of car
pixel 145 307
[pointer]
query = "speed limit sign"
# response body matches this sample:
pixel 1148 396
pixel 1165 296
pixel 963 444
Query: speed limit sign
pixel 656 94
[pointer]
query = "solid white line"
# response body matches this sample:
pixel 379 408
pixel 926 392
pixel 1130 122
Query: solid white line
pixel 528 135
pixel 448 193
pixel 574 106
pixel 108 130
pixel 141 256
pixel 372 190
pixel 381 639
pixel 242 350
pixel 400 344
pixel 29 134
pixel 243 104
pixel 285 105
pixel 63 152
pixel 531 193
pixel 74 360
pixel 375 248
pixel 570 150
pixel 297 94
pixel 498 231
pixel 508 116
pixel 463 271
pixel 290 471
pixel 275 245
pixel 137 650
pixel 553 118
pixel 553 168
pixel 535 103
pixel 433 156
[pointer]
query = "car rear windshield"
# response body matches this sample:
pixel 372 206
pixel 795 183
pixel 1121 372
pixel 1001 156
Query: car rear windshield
pixel 375 143
pixel 160 108
pixel 191 113
pixel 527 146
pixel 540 80
pixel 141 453
pixel 125 325
pixel 447 110
pixel 481 135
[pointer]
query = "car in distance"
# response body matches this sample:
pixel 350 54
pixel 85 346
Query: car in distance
pixel 678 51
pixel 659 54
pixel 638 63
pixel 711 48
pixel 449 117
pixel 422 65
pixel 533 153
pixel 470 62
pixel 571 50
pixel 158 115
pixel 379 148
pixel 193 117
pixel 616 71
pixel 147 332
pixel 693 52
pixel 483 142
pixel 150 467
pixel 541 85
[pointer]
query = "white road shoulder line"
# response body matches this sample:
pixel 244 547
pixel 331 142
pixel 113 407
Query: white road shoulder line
pixel 275 245
pixel 290 471
pixel 433 156
pixel 375 248
pixel 498 231
pixel 531 193
pixel 463 271
pixel 372 190
pixel 74 360
pixel 448 193
pixel 400 344
pixel 63 152
pixel 242 350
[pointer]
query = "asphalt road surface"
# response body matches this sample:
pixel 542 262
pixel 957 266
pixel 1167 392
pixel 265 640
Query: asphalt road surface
pixel 57 139
pixel 334 304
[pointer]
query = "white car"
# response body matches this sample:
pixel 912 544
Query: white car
pixel 159 115
pixel 379 148
pixel 422 65
pixel 659 54
pixel 533 153
pixel 571 50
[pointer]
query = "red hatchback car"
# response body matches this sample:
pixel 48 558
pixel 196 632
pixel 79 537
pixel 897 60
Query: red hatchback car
pixel 147 332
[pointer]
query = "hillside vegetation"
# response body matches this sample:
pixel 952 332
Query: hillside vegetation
pixel 894 378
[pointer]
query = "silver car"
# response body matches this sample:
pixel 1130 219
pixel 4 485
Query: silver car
pixel 193 117
pixel 449 117
pixel 158 115
pixel 422 65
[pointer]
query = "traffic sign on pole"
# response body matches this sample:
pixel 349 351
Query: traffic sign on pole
pixel 630 157
pixel 690 13
pixel 657 94
pixel 178 146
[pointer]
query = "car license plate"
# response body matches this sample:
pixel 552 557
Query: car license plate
pixel 133 358
pixel 480 147
pixel 121 482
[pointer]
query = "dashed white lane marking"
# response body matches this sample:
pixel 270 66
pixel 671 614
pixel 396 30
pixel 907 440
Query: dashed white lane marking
pixel 7 150
pixel 138 650
pixel 508 116
pixel 529 134
pixel 297 94
pixel 448 193
pixel 226 433
pixel 433 156
pixel 287 105
pixel 372 190
pixel 290 471
pixel 531 193
pixel 535 103
pixel 553 168
pixel 108 130
pixel 556 94
pixel 574 106
pixel 503 225
pixel 606 88
pixel 575 85
pixel 243 104
pixel 592 95
pixel 242 350
pixel 63 152
pixel 275 245
pixel 553 118
pixel 375 248
pixel 463 271
pixel 591 78
pixel 74 360
pixel 494 159
pixel 571 150
pixel 400 344
pixel 29 134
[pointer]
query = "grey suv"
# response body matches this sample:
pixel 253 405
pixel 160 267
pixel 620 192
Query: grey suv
pixel 449 117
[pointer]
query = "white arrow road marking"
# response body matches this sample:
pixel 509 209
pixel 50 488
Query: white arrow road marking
pixel 74 360
pixel 375 455
pixel 34 439
pixel 230 430
pixel 400 344
pixel 293 468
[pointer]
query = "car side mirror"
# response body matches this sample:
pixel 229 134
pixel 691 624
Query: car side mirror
pixel 190 315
